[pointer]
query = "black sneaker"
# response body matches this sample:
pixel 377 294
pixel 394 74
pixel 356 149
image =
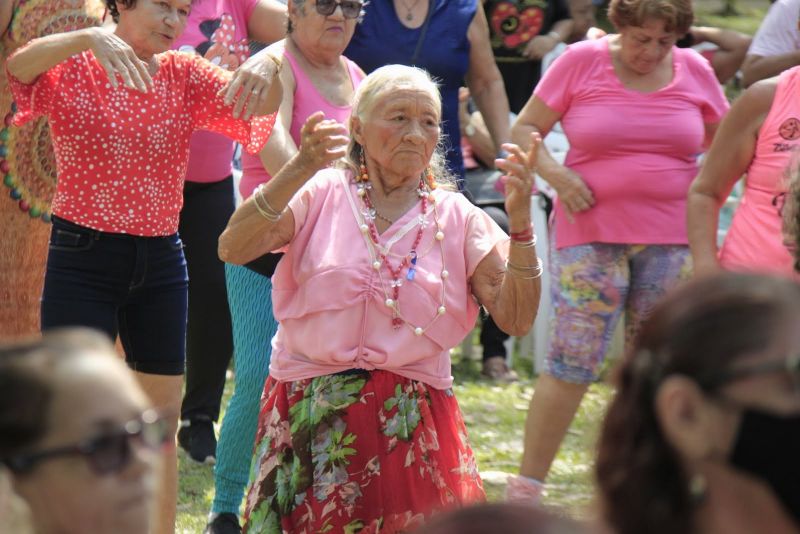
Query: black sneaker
pixel 196 437
pixel 226 523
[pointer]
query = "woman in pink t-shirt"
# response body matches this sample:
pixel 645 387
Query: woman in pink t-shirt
pixel 384 271
pixel 637 112
pixel 115 261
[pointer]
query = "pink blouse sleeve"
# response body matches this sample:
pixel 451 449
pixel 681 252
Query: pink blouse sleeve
pixel 482 235
pixel 209 112
pixel 35 99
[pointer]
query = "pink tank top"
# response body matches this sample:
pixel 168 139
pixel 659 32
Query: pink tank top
pixel 755 240
pixel 307 101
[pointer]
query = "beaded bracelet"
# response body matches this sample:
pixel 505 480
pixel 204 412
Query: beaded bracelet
pixel 525 235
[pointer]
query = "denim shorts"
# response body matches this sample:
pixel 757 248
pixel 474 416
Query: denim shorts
pixel 132 286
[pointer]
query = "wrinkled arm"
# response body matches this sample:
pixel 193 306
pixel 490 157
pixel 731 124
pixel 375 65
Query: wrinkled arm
pixel 756 68
pixel 267 22
pixel 485 83
pixel 573 193
pixel 249 234
pixel 727 160
pixel 511 293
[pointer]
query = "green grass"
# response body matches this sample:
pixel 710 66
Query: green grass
pixel 495 417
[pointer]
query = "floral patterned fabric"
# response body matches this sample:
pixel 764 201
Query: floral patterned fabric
pixel 358 452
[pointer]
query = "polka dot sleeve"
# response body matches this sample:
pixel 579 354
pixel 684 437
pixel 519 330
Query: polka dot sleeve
pixel 35 99
pixel 209 112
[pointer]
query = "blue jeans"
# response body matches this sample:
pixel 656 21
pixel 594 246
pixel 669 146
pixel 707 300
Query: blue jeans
pixel 131 286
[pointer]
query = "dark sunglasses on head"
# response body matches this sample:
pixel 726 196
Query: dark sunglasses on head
pixel 790 365
pixel 350 8
pixel 107 453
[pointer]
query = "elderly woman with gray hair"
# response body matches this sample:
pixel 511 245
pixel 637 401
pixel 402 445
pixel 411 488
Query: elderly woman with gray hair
pixel 385 268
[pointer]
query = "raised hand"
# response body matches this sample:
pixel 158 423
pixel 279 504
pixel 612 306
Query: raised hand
pixel 322 141
pixel 117 57
pixel 519 168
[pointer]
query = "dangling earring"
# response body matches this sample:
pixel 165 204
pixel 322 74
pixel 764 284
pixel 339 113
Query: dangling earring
pixel 429 178
pixel 362 171
pixel 698 488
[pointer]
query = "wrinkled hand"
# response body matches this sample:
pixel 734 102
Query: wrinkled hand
pixel 250 83
pixel 573 193
pixel 539 46
pixel 518 169
pixel 117 57
pixel 322 141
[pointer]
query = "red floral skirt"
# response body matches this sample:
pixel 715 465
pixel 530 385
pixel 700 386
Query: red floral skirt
pixel 358 452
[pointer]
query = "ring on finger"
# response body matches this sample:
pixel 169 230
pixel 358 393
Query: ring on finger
pixel 255 91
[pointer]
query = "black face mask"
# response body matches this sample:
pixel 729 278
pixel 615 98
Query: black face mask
pixel 768 447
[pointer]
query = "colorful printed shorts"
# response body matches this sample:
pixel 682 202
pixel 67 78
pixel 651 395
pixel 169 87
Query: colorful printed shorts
pixel 591 286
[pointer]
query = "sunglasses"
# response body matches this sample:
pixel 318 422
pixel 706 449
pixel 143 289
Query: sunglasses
pixel 350 8
pixel 790 365
pixel 107 453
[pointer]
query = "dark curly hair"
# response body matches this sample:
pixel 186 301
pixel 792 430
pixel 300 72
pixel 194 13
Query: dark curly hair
pixel 697 331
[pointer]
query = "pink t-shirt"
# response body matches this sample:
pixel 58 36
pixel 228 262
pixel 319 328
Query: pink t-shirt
pixel 121 154
pixel 330 302
pixel 636 151
pixel 754 241
pixel 307 101
pixel 217 31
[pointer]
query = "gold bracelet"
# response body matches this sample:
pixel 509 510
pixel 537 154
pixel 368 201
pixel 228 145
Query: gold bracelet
pixel 518 271
pixel 278 63
pixel 524 244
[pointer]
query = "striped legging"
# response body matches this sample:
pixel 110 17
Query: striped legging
pixel 250 301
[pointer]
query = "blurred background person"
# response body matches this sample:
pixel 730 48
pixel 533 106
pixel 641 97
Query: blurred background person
pixel 703 433
pixel 315 77
pixel 776 44
pixel 724 49
pixel 507 518
pixel 79 436
pixel 28 165
pixel 758 138
pixel 637 111
pixel 221 32
pixel 521 34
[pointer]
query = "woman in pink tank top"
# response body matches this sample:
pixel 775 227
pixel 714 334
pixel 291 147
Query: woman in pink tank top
pixel 758 137
pixel 317 77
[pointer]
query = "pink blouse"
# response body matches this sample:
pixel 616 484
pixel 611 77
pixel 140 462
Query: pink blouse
pixel 330 302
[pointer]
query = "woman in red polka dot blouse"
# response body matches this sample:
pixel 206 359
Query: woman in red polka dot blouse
pixel 121 109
